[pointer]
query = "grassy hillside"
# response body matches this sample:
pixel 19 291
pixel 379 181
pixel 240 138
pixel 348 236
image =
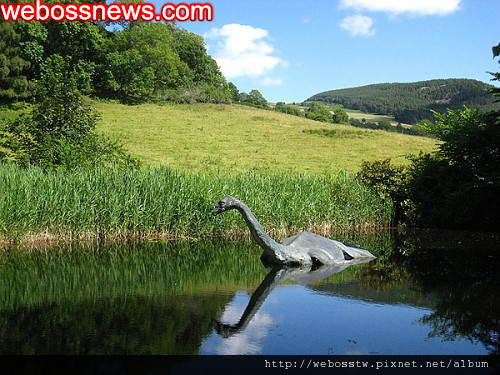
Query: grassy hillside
pixel 233 138
pixel 411 102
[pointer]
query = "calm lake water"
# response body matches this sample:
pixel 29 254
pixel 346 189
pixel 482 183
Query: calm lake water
pixel 426 293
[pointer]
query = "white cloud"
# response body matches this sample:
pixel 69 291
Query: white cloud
pixel 411 7
pixel 269 81
pixel 358 25
pixel 242 50
pixel 249 340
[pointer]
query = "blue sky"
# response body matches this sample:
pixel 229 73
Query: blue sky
pixel 292 49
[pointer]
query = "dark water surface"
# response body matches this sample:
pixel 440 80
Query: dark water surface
pixel 426 293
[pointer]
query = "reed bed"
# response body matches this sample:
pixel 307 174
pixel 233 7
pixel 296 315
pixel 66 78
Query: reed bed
pixel 115 203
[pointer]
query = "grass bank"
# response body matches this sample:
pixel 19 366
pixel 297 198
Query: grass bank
pixel 113 203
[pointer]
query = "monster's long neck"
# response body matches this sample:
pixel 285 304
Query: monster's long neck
pixel 276 251
pixel 258 232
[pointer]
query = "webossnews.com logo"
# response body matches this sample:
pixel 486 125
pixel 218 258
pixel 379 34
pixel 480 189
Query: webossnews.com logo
pixel 40 11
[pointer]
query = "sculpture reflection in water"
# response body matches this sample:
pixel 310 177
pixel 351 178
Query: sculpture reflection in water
pixel 278 274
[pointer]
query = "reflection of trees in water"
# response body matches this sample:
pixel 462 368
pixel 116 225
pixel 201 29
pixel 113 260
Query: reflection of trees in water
pixel 104 271
pixel 144 298
pixel 132 326
pixel 461 271
pixel 453 273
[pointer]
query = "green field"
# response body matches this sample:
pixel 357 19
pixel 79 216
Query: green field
pixel 370 117
pixel 232 138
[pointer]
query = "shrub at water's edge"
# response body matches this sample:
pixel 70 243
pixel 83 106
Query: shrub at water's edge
pixel 107 203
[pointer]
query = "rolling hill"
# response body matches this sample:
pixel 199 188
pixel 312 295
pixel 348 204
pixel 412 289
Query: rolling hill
pixel 412 102
pixel 233 138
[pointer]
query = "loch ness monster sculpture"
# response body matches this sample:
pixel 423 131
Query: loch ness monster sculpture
pixel 303 249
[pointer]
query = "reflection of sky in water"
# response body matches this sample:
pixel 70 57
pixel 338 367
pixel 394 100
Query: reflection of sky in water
pixel 246 342
pixel 297 320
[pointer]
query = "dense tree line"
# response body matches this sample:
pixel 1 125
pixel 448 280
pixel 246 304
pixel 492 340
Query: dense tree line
pixel 128 61
pixel 412 102
pixel 254 98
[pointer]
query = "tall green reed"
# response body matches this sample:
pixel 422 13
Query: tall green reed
pixel 105 202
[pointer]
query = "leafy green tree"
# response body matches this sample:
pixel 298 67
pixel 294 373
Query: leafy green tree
pixel 142 62
pixel 158 60
pixel 128 76
pixel 14 69
pixel 384 125
pixel 136 61
pixel 318 112
pixel 388 181
pixel 192 51
pixel 33 38
pixel 459 186
pixel 496 90
pixel 471 140
pixel 207 84
pixel 60 130
pixel 84 42
pixel 288 109
pixel 255 97
pixel 28 44
pixel 235 93
pixel 81 40
pixel 243 97
pixel 340 116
